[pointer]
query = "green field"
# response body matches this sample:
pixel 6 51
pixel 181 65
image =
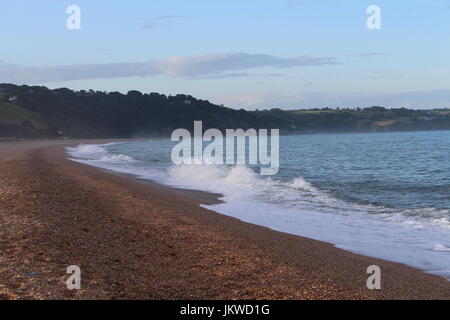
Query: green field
pixel 14 114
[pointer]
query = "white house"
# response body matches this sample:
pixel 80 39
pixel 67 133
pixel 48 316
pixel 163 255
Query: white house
pixel 13 99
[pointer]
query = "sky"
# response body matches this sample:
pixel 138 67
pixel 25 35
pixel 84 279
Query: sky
pixel 251 54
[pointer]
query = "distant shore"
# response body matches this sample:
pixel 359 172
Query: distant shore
pixel 135 240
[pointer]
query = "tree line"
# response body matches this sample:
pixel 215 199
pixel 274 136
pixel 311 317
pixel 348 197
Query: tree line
pixel 38 112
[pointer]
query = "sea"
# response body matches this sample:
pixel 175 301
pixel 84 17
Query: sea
pixel 384 195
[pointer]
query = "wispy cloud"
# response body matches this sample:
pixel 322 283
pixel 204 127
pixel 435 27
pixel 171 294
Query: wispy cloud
pixel 222 76
pixel 238 75
pixel 190 66
pixel 153 22
pixel 370 54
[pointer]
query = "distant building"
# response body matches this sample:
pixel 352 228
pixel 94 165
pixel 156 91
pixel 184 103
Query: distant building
pixel 427 118
pixel 13 99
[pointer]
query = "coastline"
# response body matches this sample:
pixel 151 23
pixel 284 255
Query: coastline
pixel 138 240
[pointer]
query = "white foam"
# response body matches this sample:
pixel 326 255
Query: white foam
pixel 98 156
pixel 120 158
pixel 98 153
pixel 301 184
pixel 441 247
pixel 87 149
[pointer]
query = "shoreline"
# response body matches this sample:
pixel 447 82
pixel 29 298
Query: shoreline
pixel 208 200
pixel 202 197
pixel 156 244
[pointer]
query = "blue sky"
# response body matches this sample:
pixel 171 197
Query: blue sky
pixel 249 54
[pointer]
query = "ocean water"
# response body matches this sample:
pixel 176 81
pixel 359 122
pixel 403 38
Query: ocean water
pixel 385 195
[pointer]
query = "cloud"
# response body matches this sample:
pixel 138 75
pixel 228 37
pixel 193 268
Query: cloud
pixel 238 75
pixel 153 22
pixel 308 99
pixel 370 54
pixel 223 76
pixel 213 63
pixel 191 66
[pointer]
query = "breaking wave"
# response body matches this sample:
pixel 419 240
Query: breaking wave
pixel 417 237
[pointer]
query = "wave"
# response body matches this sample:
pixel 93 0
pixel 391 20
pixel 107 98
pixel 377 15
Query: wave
pixel 302 184
pixel 416 237
pixel 237 182
pixel 95 152
pixel 99 156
